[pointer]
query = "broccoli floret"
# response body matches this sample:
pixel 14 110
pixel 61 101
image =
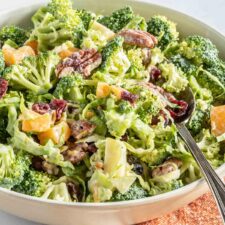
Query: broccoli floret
pixel 2 63
pixel 157 188
pixel 86 17
pixel 134 192
pixel 12 167
pixel 56 23
pixel 211 82
pixel 163 29
pixel 199 49
pixel 200 117
pixel 137 68
pixel 69 88
pixel 8 105
pixel 210 147
pixel 184 64
pixel 13 33
pixel 137 23
pixel 35 73
pixel 218 70
pixel 118 20
pixel 114 60
pixel 175 79
pixel 34 183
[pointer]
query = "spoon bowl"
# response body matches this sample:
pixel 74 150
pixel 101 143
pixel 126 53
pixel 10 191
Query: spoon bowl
pixel 187 96
pixel 215 183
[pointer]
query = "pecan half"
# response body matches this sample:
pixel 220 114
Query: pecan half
pixel 138 38
pixel 81 128
pixel 166 167
pixel 83 61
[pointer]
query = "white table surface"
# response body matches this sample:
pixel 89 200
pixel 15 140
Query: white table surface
pixel 209 11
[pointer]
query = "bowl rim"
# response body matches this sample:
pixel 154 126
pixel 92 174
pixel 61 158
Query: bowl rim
pixel 127 203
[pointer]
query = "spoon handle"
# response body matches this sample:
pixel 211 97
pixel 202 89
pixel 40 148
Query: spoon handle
pixel 215 183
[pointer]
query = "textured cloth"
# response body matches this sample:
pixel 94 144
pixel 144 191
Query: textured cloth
pixel 202 211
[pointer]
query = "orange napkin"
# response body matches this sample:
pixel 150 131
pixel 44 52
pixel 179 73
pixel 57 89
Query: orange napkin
pixel 202 211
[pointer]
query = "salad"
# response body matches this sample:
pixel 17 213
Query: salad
pixel 88 103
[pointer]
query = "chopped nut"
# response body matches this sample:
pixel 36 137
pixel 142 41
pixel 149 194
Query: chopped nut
pixel 166 167
pixel 81 128
pixel 50 168
pixel 99 165
pixel 138 38
pixel 83 61
pixel 76 153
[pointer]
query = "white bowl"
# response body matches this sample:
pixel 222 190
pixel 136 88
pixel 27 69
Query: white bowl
pixel 128 212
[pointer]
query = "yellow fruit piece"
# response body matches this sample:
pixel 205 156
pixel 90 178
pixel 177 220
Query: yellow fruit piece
pixel 217 117
pixel 67 52
pixel 116 91
pixel 103 90
pixel 39 123
pixel 58 134
pixel 34 45
pixel 15 56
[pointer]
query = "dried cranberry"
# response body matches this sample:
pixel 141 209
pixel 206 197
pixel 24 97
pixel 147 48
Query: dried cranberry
pixel 92 148
pixel 181 109
pixel 127 96
pixel 155 74
pixel 60 106
pixel 41 108
pixel 3 87
pixel 37 163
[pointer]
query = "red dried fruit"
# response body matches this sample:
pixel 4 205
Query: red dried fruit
pixel 60 106
pixel 155 74
pixel 92 148
pixel 41 108
pixel 3 87
pixel 127 96
pixel 83 61
pixel 180 110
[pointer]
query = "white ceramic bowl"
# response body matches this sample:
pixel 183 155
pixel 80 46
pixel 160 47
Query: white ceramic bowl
pixel 128 212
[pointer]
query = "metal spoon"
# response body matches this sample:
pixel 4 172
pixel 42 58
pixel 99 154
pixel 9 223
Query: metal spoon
pixel 215 183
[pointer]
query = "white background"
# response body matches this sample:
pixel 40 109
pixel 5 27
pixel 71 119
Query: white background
pixel 210 11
